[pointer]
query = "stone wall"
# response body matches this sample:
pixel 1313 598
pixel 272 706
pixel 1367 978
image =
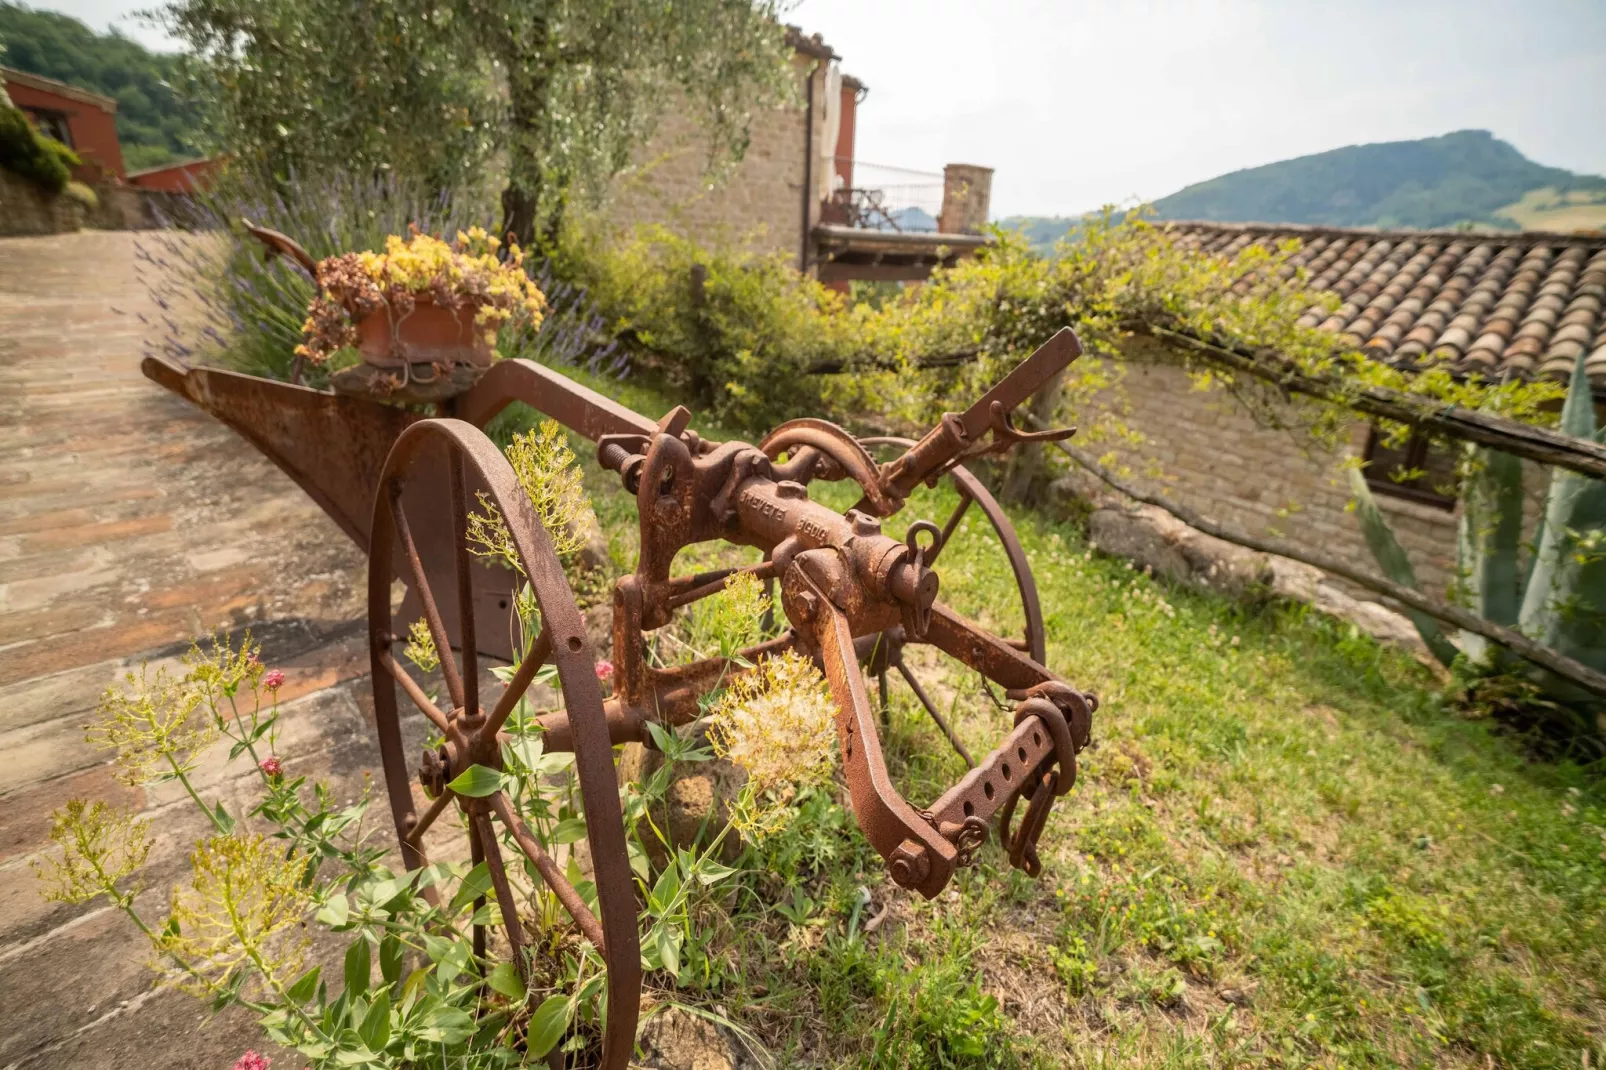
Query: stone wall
pixel 26 209
pixel 758 206
pixel 1205 450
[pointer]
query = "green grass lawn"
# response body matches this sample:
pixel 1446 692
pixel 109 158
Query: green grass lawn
pixel 1284 848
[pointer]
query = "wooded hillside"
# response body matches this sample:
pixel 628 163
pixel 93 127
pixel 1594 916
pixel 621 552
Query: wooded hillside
pixel 1467 177
pixel 153 125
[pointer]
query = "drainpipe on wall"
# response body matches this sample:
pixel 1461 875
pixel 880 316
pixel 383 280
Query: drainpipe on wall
pixel 808 168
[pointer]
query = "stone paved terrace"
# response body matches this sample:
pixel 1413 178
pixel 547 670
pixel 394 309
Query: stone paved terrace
pixel 130 523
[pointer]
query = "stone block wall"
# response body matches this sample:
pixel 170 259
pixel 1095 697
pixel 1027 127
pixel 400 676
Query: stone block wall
pixel 1205 450
pixel 26 209
pixel 758 205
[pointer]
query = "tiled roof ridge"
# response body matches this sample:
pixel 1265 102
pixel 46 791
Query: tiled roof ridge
pixel 1595 239
pixel 1524 304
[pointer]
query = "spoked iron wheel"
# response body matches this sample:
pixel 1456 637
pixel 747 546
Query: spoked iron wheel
pixel 433 473
pixel 971 493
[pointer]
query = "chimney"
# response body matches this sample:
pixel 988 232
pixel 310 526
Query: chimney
pixel 967 192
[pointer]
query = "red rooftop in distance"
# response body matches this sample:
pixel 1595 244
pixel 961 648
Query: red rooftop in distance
pixel 87 123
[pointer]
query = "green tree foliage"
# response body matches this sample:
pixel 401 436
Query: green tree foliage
pixel 153 125
pixel 587 83
pixel 24 151
pixel 308 88
pixel 1464 177
pixel 1432 182
pixel 559 92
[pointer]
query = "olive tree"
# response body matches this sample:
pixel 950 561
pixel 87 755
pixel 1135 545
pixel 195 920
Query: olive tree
pixel 312 87
pixel 552 95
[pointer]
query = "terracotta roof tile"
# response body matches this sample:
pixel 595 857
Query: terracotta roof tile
pixel 1522 304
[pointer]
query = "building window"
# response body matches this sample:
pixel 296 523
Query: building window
pixel 53 124
pixel 1417 469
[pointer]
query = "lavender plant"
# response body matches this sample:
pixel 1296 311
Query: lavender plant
pixel 222 301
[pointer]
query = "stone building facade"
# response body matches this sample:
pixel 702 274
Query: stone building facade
pixel 760 204
pixel 798 167
pixel 1528 304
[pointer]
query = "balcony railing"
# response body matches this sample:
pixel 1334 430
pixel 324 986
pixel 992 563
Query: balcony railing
pixel 885 198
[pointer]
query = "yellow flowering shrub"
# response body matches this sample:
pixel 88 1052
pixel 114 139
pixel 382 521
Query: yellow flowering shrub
pixel 155 723
pixel 100 847
pixel 545 467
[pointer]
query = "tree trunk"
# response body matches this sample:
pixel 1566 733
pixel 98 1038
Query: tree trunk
pixel 529 78
pixel 519 205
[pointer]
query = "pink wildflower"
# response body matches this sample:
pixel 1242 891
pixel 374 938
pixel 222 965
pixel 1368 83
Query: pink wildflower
pixel 273 680
pixel 604 669
pixel 252 1061
pixel 272 766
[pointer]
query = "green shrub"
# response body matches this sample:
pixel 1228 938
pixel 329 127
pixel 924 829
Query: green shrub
pixel 25 151
pixel 83 194
pixel 737 335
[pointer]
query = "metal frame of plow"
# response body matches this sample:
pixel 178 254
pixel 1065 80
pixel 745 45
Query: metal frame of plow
pixel 399 483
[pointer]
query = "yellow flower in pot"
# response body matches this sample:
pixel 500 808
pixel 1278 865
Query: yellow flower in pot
pixel 421 301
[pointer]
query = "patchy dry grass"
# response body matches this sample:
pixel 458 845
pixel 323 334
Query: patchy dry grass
pixel 1283 849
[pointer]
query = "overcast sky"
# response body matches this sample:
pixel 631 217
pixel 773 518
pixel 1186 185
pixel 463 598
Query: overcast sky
pixel 1077 104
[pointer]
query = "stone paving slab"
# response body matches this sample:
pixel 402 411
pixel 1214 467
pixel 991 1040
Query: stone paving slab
pixel 131 524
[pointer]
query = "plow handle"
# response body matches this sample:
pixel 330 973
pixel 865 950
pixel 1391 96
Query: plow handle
pixel 961 434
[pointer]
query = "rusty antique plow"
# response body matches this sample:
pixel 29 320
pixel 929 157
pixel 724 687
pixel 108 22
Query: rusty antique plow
pixel 400 485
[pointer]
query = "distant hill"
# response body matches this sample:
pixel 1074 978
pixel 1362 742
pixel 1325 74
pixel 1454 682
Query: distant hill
pixel 915 218
pixel 152 124
pixel 1469 177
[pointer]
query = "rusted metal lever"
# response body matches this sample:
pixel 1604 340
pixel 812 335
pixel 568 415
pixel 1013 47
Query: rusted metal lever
pixel 962 435
pixel 924 848
pixel 282 245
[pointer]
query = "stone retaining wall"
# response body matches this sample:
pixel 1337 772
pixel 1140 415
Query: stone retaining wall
pixel 26 209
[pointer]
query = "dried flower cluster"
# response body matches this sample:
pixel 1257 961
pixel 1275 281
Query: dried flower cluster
pixel 419 267
pixel 222 669
pixel 546 471
pixel 100 846
pixel 243 901
pixel 778 723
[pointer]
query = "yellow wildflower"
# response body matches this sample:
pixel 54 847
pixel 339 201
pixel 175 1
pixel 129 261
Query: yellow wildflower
pixel 154 723
pixel 545 468
pixel 244 899
pixel 777 722
pixel 223 668
pixel 420 648
pixel 730 620
pixel 100 846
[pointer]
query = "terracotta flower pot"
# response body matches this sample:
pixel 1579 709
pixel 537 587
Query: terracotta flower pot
pixel 430 334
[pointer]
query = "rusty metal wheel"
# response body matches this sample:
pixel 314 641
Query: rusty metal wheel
pixel 970 492
pixel 420 525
